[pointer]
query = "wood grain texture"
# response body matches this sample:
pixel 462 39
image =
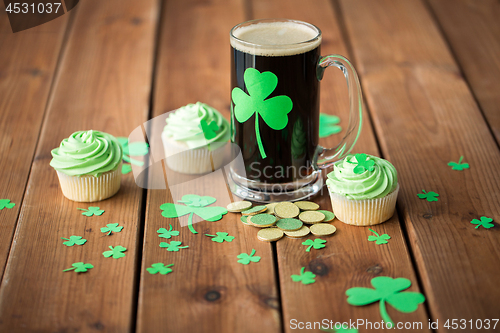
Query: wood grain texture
pixel 103 84
pixel 349 259
pixel 27 66
pixel 426 116
pixel 208 291
pixel 472 29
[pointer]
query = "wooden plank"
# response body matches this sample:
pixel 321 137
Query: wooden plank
pixel 349 259
pixel 472 29
pixel 103 84
pixel 27 65
pixel 208 290
pixel 426 116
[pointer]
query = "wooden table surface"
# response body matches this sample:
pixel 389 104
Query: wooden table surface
pixel 430 73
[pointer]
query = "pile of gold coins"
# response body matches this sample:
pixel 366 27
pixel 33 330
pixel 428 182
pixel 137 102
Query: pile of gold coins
pixel 285 218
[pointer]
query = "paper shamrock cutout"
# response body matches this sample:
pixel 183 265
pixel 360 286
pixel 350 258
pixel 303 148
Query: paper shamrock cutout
pixel 209 130
pixel 174 246
pixel 304 277
pixel 5 203
pixel 317 244
pixel 195 204
pixel 328 125
pixel 74 240
pixel 79 267
pixel 133 149
pixel 92 211
pixel 429 196
pixel 387 290
pixel 485 222
pixel 245 259
pixel 459 165
pixel 221 237
pixel 274 111
pixel 110 228
pixel 159 268
pixel 126 168
pixel 379 239
pixel 116 252
pixel 363 164
pixel 164 233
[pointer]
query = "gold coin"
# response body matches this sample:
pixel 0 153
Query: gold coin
pixel 270 207
pixel 306 205
pixel 261 220
pixel 323 229
pixel 254 210
pixel 329 216
pixel 270 234
pixel 286 210
pixel 302 232
pixel 238 206
pixel 311 216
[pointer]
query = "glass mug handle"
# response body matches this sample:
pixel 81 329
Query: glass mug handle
pixel 325 157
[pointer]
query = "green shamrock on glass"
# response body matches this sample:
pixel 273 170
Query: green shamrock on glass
pixel 132 149
pixel 276 69
pixel 387 290
pixel 274 111
pixel 194 204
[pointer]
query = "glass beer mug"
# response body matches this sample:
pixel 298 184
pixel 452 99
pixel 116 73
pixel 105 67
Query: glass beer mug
pixel 276 70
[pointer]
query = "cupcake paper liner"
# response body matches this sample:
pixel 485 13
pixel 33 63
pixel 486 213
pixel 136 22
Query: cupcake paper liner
pixel 89 188
pixel 182 159
pixel 364 212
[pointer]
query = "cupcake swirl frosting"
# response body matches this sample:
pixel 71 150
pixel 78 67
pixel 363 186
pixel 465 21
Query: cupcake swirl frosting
pixel 87 153
pixel 379 182
pixel 184 125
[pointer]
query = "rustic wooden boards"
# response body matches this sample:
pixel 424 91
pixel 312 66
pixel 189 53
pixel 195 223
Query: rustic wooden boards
pixel 349 259
pixel 104 84
pixel 27 66
pixel 425 116
pixel 208 290
pixel 472 29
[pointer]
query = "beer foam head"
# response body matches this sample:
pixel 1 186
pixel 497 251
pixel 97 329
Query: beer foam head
pixel 274 39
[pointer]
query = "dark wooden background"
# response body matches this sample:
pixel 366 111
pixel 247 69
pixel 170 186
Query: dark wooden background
pixel 430 72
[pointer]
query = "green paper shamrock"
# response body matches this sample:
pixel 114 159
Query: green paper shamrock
pixel 126 168
pixel 164 233
pixel 245 259
pixel 116 252
pixel 79 267
pixel 379 239
pixel 221 237
pixel 159 268
pixel 485 222
pixel 194 205
pixel 387 290
pixel 111 227
pixel 328 125
pixel 5 203
pixel 363 164
pixel 92 211
pixel 341 330
pixel 132 149
pixel 430 196
pixel 317 244
pixel 304 277
pixel 209 130
pixel 174 246
pixel 274 111
pixel 459 165
pixel 78 240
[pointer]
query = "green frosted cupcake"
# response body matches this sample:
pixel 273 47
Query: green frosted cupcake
pixel 88 165
pixel 363 189
pixel 194 138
